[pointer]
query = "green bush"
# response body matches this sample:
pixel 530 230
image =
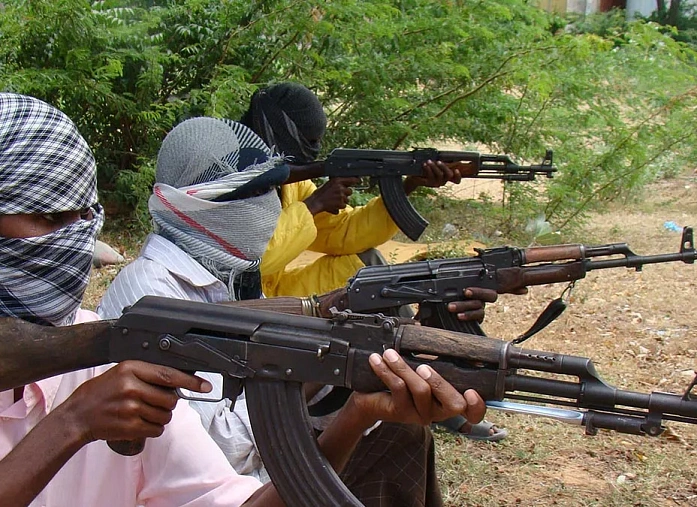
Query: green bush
pixel 615 100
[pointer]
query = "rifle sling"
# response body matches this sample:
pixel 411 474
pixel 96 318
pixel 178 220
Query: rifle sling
pixel 554 309
pixel 330 403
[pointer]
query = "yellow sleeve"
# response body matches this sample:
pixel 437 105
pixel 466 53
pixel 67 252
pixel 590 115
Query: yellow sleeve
pixel 294 233
pixel 321 276
pixel 354 230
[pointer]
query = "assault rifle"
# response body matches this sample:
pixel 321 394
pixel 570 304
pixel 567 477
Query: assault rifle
pixel 504 269
pixel 272 354
pixel 388 166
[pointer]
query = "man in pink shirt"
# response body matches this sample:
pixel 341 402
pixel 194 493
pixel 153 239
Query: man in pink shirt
pixel 53 433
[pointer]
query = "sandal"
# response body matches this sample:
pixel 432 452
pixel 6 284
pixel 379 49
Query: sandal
pixel 480 431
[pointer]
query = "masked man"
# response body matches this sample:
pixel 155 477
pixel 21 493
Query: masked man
pixel 290 118
pixel 52 432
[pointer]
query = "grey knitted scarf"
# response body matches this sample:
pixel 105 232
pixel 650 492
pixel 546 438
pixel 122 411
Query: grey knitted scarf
pixel 199 161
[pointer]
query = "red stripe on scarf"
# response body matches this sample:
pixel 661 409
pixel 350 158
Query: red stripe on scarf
pixel 227 246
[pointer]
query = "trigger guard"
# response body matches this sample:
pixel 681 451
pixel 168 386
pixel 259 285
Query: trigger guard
pixel 186 397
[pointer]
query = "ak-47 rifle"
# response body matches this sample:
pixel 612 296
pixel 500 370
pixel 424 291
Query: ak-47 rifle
pixel 388 166
pixel 272 354
pixel 505 270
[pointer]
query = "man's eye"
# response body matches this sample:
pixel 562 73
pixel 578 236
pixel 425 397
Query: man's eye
pixel 86 214
pixel 51 217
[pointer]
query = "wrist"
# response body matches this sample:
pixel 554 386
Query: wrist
pixel 357 416
pixel 311 206
pixel 76 431
pixel 409 185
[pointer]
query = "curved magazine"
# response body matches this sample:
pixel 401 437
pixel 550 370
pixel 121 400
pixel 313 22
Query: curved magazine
pixel 281 424
pixel 400 209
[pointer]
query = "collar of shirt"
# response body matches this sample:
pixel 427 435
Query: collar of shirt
pixel 175 260
pixel 44 391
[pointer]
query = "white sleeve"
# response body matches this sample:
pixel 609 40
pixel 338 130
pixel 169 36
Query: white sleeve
pixel 232 431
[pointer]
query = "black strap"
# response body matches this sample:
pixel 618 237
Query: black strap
pixel 554 309
pixel 330 403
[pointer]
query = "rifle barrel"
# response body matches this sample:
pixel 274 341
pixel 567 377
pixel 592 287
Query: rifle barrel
pixel 637 261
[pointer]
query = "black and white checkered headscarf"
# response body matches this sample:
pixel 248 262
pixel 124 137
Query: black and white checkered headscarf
pixel 45 167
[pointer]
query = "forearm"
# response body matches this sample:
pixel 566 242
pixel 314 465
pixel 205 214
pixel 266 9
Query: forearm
pixel 339 440
pixel 409 185
pixel 29 467
pixel 305 172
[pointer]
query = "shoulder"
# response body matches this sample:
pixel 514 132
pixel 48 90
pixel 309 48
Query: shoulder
pixel 298 191
pixel 83 315
pixel 142 277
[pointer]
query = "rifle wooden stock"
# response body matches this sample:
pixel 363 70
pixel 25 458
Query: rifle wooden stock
pixel 29 352
pixel 287 305
pixel 442 342
pixel 512 279
pixel 553 253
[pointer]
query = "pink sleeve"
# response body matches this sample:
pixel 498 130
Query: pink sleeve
pixel 85 316
pixel 184 467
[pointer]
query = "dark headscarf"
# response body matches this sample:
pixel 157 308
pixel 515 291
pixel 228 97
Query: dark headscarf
pixel 290 119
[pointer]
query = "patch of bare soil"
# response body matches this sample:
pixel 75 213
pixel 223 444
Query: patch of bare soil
pixel 639 328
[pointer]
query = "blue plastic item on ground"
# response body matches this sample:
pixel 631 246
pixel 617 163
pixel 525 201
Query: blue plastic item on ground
pixel 672 226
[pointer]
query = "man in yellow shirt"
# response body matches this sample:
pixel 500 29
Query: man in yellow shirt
pixel 290 119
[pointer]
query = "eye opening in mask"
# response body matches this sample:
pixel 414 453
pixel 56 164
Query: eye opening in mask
pixel 88 213
pixel 64 218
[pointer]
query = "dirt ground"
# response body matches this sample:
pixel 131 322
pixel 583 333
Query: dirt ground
pixel 639 328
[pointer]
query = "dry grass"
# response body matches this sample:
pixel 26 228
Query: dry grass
pixel 639 329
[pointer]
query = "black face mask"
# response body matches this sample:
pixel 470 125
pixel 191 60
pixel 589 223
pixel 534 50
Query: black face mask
pixel 289 118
